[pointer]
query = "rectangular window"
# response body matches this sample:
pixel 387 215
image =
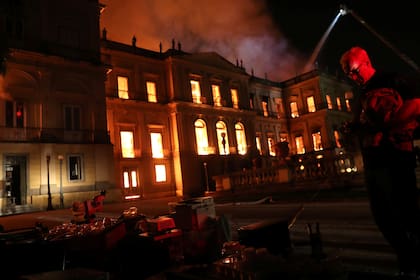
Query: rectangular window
pixel 337 138
pixel 279 106
pixel 160 171
pixel 151 92
pixel 10 113
pixel 130 179
pixel 329 102
pixel 157 146
pixel 264 105
pixel 133 178
pixel 316 139
pixel 338 103
pixel 217 99
pixel 310 101
pixel 195 91
pixel 14 114
pixel 122 87
pixel 127 144
pixel 126 179
pixel 258 143
pixel 235 100
pixel 75 167
pixel 348 106
pixel 300 147
pixel 271 149
pixel 294 113
pixel 72 117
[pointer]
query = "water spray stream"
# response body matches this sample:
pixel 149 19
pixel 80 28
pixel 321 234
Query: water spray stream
pixel 344 11
pixel 318 47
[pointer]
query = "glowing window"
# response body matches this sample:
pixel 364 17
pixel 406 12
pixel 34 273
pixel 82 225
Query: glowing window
pixel 127 144
pixel 201 137
pixel 337 138
pixel 235 100
pixel 310 101
pixel 126 180
pixel 316 139
pixel 279 106
pixel 338 103
pixel 122 87
pixel 348 106
pixel 217 99
pixel 160 171
pixel 134 179
pixel 130 179
pixel 258 143
pixel 240 138
pixel 271 150
pixel 300 148
pixel 151 91
pixel 157 146
pixel 329 102
pixel 195 91
pixel 264 105
pixel 294 113
pixel 222 138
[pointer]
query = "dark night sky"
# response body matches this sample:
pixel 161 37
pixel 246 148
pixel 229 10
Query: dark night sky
pixel 399 24
pixel 273 37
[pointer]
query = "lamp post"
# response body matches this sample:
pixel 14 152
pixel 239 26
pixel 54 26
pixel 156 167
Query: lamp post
pixel 49 207
pixel 60 158
pixel 206 174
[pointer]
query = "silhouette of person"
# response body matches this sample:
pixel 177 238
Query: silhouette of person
pixel 384 120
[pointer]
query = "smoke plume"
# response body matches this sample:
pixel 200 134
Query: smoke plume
pixel 238 30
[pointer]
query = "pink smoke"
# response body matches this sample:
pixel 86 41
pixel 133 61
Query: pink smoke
pixel 238 30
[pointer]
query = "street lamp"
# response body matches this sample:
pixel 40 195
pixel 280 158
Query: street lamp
pixel 206 175
pixel 60 158
pixel 49 207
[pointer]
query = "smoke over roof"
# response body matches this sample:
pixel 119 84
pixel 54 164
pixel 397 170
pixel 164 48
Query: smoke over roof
pixel 236 29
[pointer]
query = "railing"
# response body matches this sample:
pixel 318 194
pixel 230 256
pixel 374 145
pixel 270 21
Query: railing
pixel 258 176
pixel 335 171
pixel 52 135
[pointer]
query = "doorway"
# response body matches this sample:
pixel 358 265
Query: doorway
pixel 16 188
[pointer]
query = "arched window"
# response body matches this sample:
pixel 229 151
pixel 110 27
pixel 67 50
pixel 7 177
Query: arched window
pixel 222 138
pixel 240 138
pixel 201 137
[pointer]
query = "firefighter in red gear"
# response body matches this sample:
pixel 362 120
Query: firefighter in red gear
pixel 385 119
pixel 85 211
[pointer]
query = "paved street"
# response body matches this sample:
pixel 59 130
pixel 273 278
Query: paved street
pixel 348 235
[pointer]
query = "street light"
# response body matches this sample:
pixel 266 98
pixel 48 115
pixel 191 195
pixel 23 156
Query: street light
pixel 60 158
pixel 49 207
pixel 206 175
